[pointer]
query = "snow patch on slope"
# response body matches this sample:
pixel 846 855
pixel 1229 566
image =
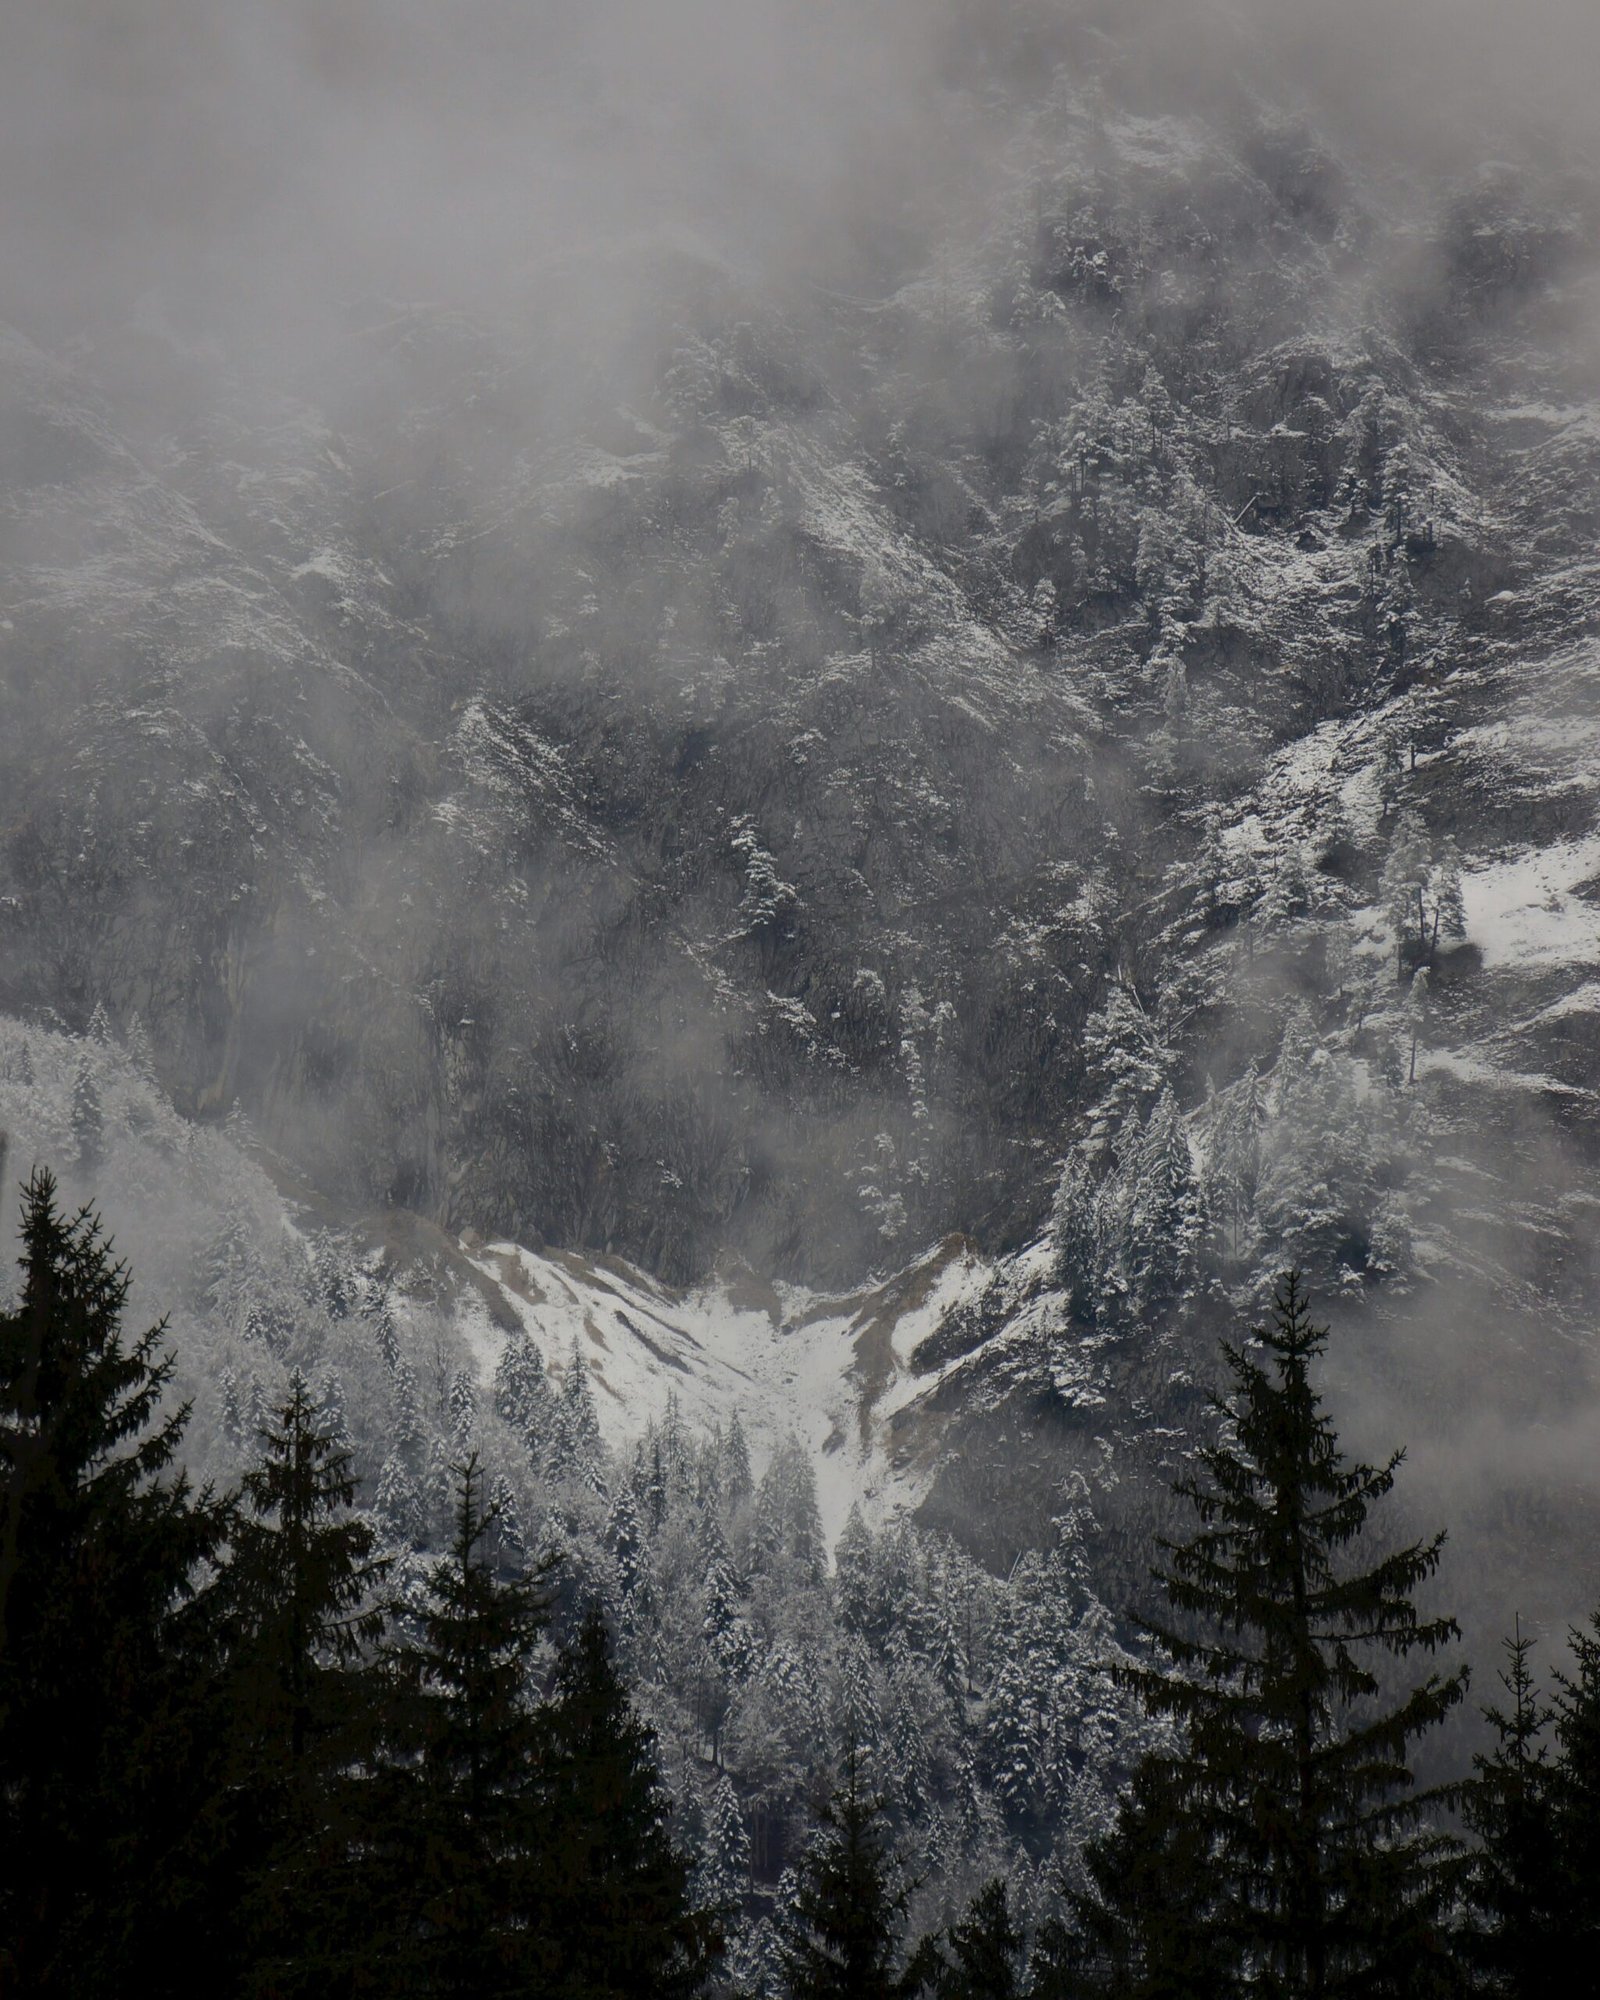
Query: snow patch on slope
pixel 832 1371
pixel 1529 909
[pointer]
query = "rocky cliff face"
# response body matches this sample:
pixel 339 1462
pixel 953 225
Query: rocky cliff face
pixel 782 783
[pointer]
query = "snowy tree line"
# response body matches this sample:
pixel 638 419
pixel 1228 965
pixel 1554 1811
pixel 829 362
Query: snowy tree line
pixel 660 1744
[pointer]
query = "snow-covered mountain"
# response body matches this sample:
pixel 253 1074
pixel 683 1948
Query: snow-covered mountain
pixel 853 848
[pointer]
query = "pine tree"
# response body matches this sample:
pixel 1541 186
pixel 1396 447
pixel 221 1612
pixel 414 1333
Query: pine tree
pixel 858 1717
pixel 1575 1791
pixel 625 1540
pixel 981 1954
pixel 1078 1232
pixel 304 1575
pixel 506 1533
pixel 724 1874
pixel 141 1057
pixel 463 1405
pixel 88 1122
pixel 1127 1059
pixel 1165 1218
pixel 108 1641
pixel 522 1394
pixel 1449 902
pixel 379 1315
pixel 255 1411
pixel 577 1402
pixel 1415 1016
pixel 786 1528
pixel 397 1504
pixel 303 1578
pixel 655 1494
pixel 333 1281
pixel 409 1438
pixel 463 1852
pixel 1293 1768
pixel 1403 891
pixel 1236 1157
pixel 228 1274
pixel 232 1414
pixel 843 1937
pixel 1520 1934
pixel 618 1917
pixel 726 1636
pixel 852 1565
pixel 737 1481
pixel 1144 1925
pixel 331 1418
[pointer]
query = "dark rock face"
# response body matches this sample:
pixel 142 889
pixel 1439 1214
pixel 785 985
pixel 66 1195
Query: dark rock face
pixel 707 814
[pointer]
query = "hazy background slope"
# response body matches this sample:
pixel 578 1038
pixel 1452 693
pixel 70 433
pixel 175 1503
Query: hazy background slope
pixel 592 600
pixel 786 632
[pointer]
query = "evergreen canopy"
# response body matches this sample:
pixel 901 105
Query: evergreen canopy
pixel 842 1938
pixel 1290 1800
pixel 108 1639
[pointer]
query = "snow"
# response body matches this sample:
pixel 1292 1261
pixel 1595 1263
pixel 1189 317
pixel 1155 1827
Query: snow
pixel 1583 999
pixel 829 1370
pixel 326 563
pixel 1525 910
pixel 1469 1068
pixel 1163 142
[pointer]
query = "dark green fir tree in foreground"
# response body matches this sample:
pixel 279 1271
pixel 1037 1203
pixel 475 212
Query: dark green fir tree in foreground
pixel 306 1703
pixel 1144 1929
pixel 844 1936
pixel 467 1839
pixel 619 1919
pixel 980 1956
pixel 1284 1840
pixel 1521 1899
pixel 1572 1791
pixel 110 1805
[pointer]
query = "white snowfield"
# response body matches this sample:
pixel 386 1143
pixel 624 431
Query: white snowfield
pixel 832 1371
pixel 1528 909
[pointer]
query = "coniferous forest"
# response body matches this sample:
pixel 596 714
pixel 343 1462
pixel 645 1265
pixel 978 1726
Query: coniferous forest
pixel 236 1757
pixel 799 999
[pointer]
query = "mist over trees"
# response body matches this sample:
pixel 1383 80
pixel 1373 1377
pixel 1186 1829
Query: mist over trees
pixel 691 788
pixel 773 774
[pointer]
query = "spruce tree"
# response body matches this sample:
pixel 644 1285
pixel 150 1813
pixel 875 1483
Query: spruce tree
pixel 141 1057
pixel 88 1121
pixel 618 1916
pixel 1144 1927
pixel 1294 1770
pixel 583 1419
pixel 109 1797
pixel 303 1578
pixel 304 1574
pixel 724 1874
pixel 981 1954
pixel 737 1481
pixel 462 1849
pixel 522 1394
pixel 843 1937
pixel 1166 1218
pixel 1575 1792
pixel 1521 1906
pixel 1403 892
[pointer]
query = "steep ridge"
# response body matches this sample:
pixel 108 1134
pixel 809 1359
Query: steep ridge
pixel 702 811
pixel 841 769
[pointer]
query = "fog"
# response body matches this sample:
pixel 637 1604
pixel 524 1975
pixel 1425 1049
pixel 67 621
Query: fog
pixel 250 184
pixel 248 169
